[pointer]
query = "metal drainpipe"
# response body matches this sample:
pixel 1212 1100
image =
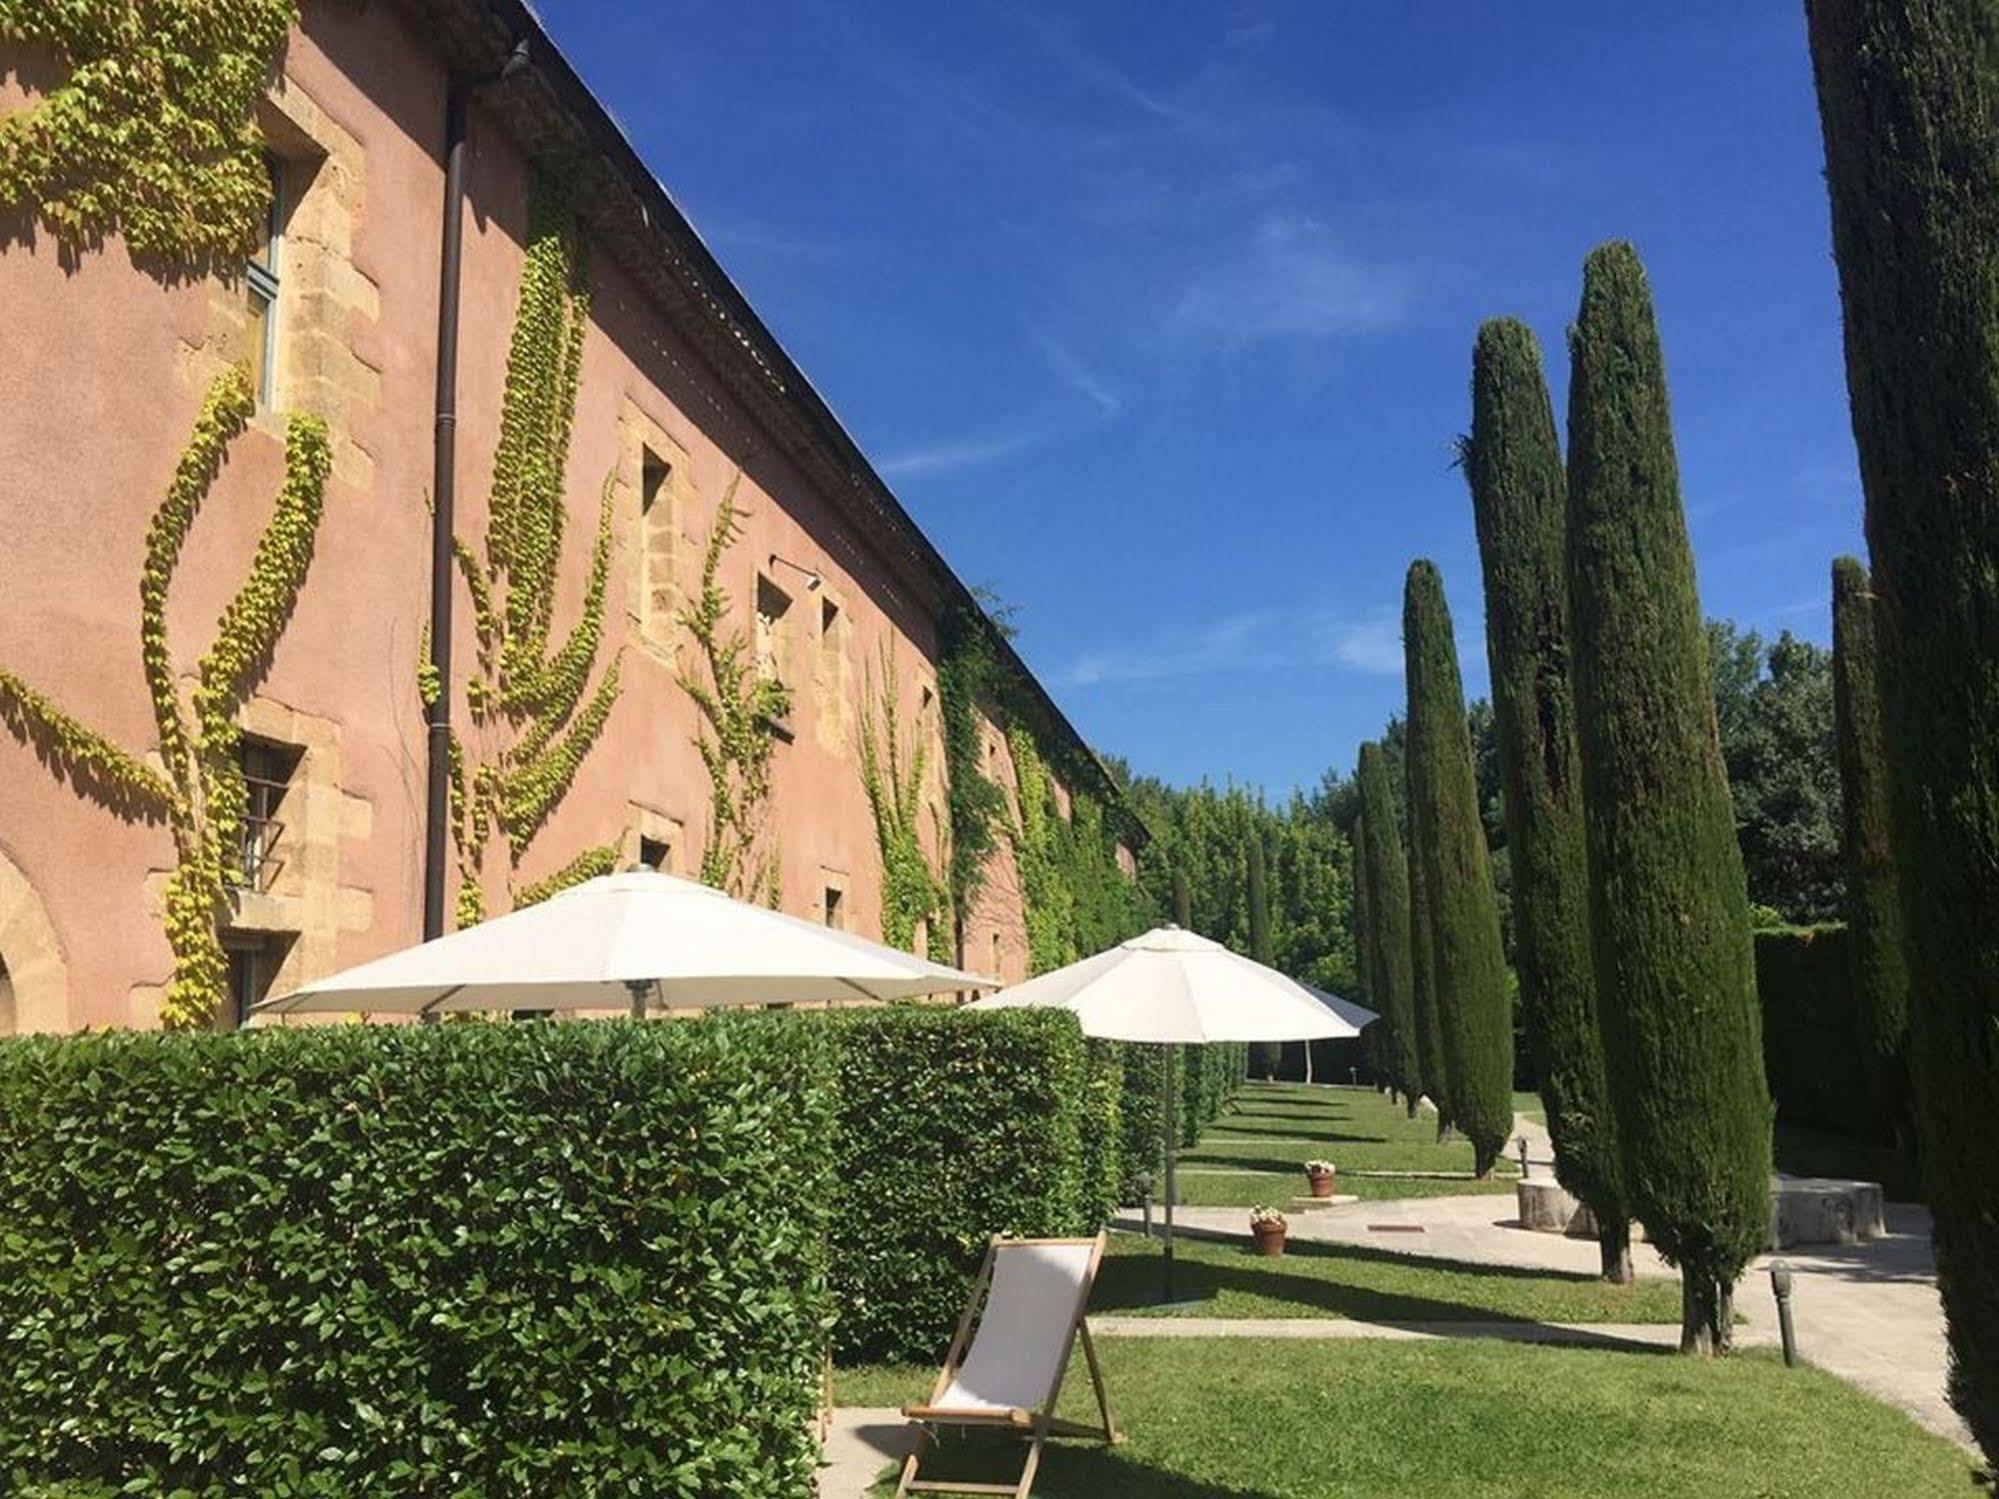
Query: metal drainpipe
pixel 437 717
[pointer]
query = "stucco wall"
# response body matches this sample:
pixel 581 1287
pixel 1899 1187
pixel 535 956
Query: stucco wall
pixel 103 377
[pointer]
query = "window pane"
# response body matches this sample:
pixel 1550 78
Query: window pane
pixel 261 327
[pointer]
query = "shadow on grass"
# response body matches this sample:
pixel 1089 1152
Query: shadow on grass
pixel 1131 1282
pixel 1256 1136
pixel 1261 1165
pixel 1069 1470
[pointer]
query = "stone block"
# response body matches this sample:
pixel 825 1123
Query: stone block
pixel 1546 1208
pixel 1820 1210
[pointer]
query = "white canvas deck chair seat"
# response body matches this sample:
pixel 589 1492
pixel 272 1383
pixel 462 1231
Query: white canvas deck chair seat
pixel 1028 1304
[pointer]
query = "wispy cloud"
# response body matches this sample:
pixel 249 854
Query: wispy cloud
pixel 1250 640
pixel 746 235
pixel 1058 38
pixel 945 457
pixel 1373 646
pixel 1291 279
pixel 1077 375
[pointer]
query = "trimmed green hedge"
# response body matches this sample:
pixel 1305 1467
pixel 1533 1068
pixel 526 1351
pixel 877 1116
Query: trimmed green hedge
pixel 1812 1049
pixel 463 1259
pixel 1139 1117
pixel 954 1126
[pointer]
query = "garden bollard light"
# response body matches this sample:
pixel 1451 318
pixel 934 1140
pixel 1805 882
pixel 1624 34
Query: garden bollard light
pixel 1145 1200
pixel 1780 1283
pixel 1522 1143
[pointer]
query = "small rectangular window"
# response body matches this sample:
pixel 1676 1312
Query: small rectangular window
pixel 835 916
pixel 773 604
pixel 249 980
pixel 655 580
pixel 260 277
pixel 656 853
pixel 268 769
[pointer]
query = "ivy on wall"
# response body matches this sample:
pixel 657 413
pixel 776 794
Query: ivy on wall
pixel 741 708
pixel 149 130
pixel 975 803
pixel 534 714
pixel 199 791
pixel 892 770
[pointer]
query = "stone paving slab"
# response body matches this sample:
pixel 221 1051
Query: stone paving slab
pixel 862 1440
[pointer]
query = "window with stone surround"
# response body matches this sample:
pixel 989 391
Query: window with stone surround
pixel 260 288
pixel 268 770
pixel 656 525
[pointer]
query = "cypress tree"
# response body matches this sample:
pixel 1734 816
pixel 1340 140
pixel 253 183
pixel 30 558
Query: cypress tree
pixel 1908 93
pixel 1388 911
pixel 1183 901
pixel 1263 1054
pixel 1259 904
pixel 1433 1078
pixel 1669 906
pixel 1874 943
pixel 1474 1013
pixel 1519 495
pixel 1362 924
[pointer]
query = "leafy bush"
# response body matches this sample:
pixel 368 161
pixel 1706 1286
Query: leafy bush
pixel 1139 1119
pixel 953 1126
pixel 1812 1049
pixel 467 1259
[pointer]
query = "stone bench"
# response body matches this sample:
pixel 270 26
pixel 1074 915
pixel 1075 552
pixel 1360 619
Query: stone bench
pixel 1803 1210
pixel 1819 1210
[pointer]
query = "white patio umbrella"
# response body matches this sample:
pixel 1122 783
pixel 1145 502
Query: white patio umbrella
pixel 1174 988
pixel 637 939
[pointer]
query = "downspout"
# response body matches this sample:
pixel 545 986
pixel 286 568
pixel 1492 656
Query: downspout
pixel 437 715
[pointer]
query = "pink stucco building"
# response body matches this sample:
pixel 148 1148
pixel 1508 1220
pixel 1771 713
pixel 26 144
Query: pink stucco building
pixel 681 388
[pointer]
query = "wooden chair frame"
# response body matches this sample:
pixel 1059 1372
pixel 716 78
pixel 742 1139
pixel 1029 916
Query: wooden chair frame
pixel 1037 1424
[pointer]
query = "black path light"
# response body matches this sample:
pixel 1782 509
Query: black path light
pixel 1780 1286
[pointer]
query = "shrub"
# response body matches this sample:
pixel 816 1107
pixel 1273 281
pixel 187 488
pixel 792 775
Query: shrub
pixel 1139 1120
pixel 498 1259
pixel 1813 1050
pixel 953 1126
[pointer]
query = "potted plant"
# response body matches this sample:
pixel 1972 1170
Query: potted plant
pixel 1267 1227
pixel 1320 1175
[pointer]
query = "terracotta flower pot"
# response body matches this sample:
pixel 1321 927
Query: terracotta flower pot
pixel 1269 1238
pixel 1322 1183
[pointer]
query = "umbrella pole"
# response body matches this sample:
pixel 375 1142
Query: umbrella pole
pixel 1172 1149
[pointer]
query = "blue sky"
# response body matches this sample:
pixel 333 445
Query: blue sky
pixel 1158 316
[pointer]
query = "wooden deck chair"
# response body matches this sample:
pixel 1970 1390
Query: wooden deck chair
pixel 1029 1301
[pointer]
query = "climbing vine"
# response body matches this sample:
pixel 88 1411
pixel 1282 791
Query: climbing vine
pixel 534 714
pixel 1037 836
pixel 200 792
pixel 975 803
pixel 150 132
pixel 741 708
pixel 892 770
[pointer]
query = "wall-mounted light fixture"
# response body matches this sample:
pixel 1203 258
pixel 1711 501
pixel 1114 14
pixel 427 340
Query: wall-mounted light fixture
pixel 813 579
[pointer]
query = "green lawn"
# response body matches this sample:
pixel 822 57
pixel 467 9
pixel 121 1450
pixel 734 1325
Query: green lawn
pixel 1207 1189
pixel 1338 1280
pixel 1228 1419
pixel 1265 1140
pixel 1530 1104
